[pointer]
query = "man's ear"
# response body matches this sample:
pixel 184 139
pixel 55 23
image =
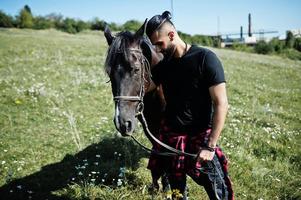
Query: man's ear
pixel 171 35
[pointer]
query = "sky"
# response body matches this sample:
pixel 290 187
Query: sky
pixel 206 17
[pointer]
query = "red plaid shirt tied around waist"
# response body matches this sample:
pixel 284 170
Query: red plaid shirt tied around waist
pixel 179 165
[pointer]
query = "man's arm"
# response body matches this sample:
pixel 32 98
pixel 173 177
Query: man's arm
pixel 220 102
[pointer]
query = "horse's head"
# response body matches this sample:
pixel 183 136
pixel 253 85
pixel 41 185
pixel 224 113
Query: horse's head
pixel 128 67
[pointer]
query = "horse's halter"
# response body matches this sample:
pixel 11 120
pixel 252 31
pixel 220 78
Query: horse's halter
pixel 139 98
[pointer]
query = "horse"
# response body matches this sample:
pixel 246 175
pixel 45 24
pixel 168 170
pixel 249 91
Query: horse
pixel 130 58
pixel 128 64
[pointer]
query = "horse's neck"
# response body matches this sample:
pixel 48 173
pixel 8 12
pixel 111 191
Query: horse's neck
pixel 156 57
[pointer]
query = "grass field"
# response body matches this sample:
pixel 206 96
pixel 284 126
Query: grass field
pixel 57 139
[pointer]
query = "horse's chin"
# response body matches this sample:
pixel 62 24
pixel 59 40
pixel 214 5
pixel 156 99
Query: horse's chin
pixel 127 134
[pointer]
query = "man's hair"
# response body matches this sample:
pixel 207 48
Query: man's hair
pixel 156 22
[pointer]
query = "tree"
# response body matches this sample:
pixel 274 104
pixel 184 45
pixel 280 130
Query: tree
pixel 81 25
pixel 132 25
pixel 289 41
pixel 6 20
pixel 27 8
pixel 25 19
pixel 56 19
pixel 97 24
pixel 115 27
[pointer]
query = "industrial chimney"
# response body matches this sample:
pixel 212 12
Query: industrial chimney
pixel 241 33
pixel 250 26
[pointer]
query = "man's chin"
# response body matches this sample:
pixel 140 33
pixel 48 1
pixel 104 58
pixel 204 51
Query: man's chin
pixel 167 55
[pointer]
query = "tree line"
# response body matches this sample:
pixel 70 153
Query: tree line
pixel 25 19
pixel 290 48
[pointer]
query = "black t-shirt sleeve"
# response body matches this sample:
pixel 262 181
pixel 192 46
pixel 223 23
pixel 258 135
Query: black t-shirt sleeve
pixel 213 69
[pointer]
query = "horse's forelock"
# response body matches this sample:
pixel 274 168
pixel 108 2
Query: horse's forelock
pixel 120 45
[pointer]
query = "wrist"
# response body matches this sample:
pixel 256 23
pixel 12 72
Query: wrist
pixel 209 148
pixel 211 143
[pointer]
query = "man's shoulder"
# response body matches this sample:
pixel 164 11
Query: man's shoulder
pixel 200 52
pixel 199 49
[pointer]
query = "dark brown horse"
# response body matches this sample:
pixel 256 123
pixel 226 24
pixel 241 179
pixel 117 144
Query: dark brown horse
pixel 128 64
pixel 129 61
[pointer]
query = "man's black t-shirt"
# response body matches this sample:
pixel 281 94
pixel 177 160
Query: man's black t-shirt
pixel 186 83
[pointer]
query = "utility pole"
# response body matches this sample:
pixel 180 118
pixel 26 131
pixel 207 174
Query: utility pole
pixel 218 26
pixel 171 5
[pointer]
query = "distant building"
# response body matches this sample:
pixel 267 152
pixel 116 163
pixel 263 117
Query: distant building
pixel 250 39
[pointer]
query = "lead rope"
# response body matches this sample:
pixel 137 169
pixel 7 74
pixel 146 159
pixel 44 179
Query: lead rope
pixel 175 151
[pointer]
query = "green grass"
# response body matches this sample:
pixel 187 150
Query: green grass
pixel 57 139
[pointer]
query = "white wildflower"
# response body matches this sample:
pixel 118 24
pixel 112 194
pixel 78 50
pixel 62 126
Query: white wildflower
pixel 119 182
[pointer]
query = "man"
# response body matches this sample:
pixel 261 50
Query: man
pixel 196 106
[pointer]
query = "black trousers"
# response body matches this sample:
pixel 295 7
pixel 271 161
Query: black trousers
pixel 211 178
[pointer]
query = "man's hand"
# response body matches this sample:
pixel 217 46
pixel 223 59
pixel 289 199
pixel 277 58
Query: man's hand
pixel 205 155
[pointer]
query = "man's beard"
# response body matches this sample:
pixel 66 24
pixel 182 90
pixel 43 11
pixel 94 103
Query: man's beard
pixel 169 51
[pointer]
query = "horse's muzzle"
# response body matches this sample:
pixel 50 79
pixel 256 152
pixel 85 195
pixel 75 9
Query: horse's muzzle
pixel 125 126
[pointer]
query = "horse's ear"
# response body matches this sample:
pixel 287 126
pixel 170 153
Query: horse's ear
pixel 140 32
pixel 108 35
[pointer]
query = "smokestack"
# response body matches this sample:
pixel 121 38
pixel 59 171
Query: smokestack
pixel 241 33
pixel 250 26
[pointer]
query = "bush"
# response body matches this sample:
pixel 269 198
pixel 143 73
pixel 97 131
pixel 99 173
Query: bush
pixel 69 25
pixel 291 54
pixel 277 45
pixel 241 47
pixel 263 48
pixel 42 23
pixel 297 44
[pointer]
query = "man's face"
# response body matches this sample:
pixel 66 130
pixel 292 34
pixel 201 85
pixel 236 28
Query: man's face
pixel 163 43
